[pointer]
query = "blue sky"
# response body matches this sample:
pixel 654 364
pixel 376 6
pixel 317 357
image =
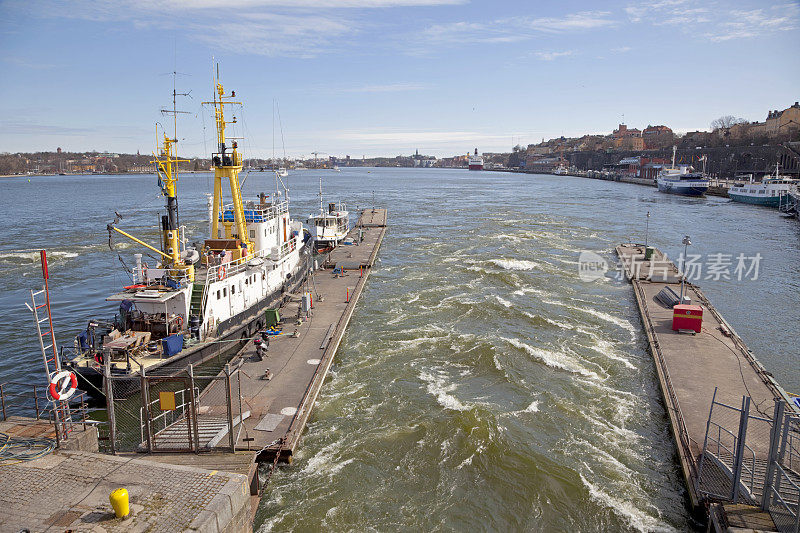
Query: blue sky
pixel 385 77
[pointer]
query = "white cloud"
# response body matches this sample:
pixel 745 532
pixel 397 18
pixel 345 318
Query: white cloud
pixel 621 49
pixel 507 30
pixel 550 56
pixel 585 20
pixel 716 21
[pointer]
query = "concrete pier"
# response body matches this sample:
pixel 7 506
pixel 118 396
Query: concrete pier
pixel 691 367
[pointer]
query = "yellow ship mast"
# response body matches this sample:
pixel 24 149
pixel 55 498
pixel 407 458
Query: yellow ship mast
pixel 166 162
pixel 167 167
pixel 227 163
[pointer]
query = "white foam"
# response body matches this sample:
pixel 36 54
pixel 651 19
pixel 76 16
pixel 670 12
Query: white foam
pixel 438 387
pixel 516 264
pixel 624 324
pixel 636 517
pixel 554 359
pixel 22 255
pixel 533 407
pixel 503 301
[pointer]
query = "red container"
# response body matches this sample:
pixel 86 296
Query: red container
pixel 687 317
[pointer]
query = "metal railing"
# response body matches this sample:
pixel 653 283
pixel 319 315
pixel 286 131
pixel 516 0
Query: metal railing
pixel 31 401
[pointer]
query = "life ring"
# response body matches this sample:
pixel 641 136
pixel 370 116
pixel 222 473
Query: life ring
pixel 221 272
pixel 60 388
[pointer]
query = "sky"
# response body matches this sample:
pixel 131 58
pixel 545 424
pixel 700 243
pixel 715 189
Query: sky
pixel 386 77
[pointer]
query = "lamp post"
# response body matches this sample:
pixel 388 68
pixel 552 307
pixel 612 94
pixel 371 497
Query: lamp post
pixel 686 242
pixel 646 229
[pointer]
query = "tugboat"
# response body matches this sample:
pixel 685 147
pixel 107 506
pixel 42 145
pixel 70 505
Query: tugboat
pixel 682 180
pixel 196 304
pixel 329 228
pixel 769 192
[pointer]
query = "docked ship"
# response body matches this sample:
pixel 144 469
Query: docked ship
pixel 682 179
pixel 770 192
pixel 328 227
pixel 561 170
pixel 196 304
pixel 475 161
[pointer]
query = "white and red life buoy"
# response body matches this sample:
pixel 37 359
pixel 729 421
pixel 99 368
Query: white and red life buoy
pixel 221 273
pixel 63 385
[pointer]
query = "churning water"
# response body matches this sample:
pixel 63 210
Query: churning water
pixel 481 385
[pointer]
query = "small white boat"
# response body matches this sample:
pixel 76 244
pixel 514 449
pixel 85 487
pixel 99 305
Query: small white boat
pixel 282 172
pixel 328 228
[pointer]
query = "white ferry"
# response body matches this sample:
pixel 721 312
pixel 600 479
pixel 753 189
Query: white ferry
pixel 770 192
pixel 196 304
pixel 475 161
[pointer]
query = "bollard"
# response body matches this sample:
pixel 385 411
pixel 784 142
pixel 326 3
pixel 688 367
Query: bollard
pixel 347 298
pixel 120 502
pixel 361 271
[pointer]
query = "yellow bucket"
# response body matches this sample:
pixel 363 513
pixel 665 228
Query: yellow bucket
pixel 120 502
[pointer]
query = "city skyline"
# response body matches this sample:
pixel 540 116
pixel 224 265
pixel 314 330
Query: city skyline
pixel 385 77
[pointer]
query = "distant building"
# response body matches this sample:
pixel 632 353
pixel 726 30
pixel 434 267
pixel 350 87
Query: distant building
pixel 657 137
pixel 627 139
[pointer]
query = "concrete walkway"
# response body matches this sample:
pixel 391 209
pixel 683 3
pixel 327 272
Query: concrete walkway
pixel 68 491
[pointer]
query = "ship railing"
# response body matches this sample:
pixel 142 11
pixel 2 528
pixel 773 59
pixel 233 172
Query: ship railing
pixel 147 275
pixel 266 213
pixel 240 265
pixel 234 267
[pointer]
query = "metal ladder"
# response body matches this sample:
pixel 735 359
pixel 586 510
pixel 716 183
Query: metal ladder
pixel 52 364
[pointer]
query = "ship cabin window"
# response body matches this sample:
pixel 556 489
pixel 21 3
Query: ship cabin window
pixel 252 234
pixel 265 232
pixel 247 280
pixel 218 294
pixel 233 289
pixel 225 291
pixel 761 192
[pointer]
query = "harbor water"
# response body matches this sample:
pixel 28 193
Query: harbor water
pixel 482 384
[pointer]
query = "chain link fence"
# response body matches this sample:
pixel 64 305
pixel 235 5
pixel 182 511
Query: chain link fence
pixel 185 412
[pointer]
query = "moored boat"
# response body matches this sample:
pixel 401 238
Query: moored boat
pixel 683 180
pixel 196 304
pixel 771 191
pixel 328 227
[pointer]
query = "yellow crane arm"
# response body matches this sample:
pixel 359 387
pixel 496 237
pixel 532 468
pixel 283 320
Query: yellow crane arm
pixel 134 239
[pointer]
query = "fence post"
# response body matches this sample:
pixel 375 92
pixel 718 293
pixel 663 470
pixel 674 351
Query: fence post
pixel 774 436
pixel 705 443
pixel 112 418
pixel 230 406
pixel 36 401
pixel 782 453
pixel 737 473
pixel 193 409
pixel 145 394
pixel 3 401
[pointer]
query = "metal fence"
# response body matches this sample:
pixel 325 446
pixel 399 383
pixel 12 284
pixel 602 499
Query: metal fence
pixel 184 412
pixel 753 458
pixel 26 403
